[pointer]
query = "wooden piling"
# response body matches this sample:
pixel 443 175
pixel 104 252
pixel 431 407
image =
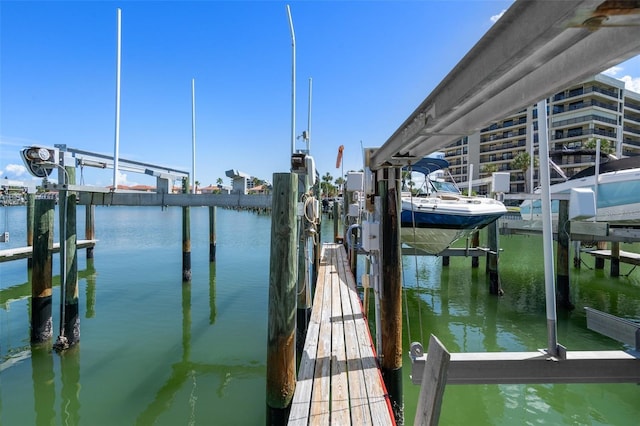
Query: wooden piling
pixel 31 199
pixel 212 233
pixel 283 273
pixel 562 257
pixel 492 259
pixel 576 255
pixel 186 237
pixel 615 259
pixel 316 243
pixel 303 311
pixel 336 222
pixel 67 204
pixel 599 262
pixel 42 271
pixel 316 256
pixel 90 227
pixel 391 303
pixel 353 252
pixel 445 260
pixel 475 243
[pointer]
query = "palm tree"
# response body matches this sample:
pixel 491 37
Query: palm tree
pixel 339 183
pixel 489 168
pixel 195 190
pixel 605 147
pixel 219 181
pixel 326 184
pixel 522 161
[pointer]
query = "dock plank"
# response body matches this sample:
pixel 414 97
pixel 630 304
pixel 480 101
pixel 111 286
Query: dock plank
pixel 625 256
pixel 339 381
pixel 320 398
pixel 301 403
pixel 16 253
pixel 339 385
pixel 377 396
pixel 360 413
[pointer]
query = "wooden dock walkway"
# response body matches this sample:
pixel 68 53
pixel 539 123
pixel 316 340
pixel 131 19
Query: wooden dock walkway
pixel 625 256
pixel 339 381
pixel 26 252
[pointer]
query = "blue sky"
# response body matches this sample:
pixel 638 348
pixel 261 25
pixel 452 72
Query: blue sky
pixel 372 63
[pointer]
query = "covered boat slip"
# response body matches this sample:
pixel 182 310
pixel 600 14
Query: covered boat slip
pixel 338 381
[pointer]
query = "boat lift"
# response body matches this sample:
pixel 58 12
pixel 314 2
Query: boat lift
pixel 534 50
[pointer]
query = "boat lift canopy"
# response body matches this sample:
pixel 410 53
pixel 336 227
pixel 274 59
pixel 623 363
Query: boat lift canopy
pixel 428 165
pixel 537 48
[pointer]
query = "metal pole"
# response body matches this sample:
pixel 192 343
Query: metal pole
pixel 193 135
pixel 596 177
pixel 116 150
pixel 293 82
pixel 547 230
pixel 62 206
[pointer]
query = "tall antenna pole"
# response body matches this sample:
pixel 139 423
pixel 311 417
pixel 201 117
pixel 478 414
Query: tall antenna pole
pixel 293 82
pixel 116 150
pixel 309 118
pixel 193 135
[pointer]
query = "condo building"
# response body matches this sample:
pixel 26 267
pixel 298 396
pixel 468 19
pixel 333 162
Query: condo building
pixel 598 108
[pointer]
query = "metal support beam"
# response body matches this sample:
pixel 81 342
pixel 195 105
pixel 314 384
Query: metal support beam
pixel 535 367
pixel 537 48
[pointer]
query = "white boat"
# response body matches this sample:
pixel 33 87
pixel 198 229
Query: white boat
pixel 618 193
pixel 442 215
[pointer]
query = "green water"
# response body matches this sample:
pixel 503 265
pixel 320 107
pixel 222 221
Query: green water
pixel 453 303
pixel 155 351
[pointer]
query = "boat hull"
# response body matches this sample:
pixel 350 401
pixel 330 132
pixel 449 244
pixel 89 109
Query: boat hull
pixel 618 200
pixel 432 225
pixel 432 240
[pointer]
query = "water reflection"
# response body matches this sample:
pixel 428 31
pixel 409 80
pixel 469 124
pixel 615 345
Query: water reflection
pixel 454 304
pixel 44 392
pixel 70 394
pixel 152 349
pixel 212 293
pixel 186 372
pixel 90 291
pixel 180 371
pixel 22 291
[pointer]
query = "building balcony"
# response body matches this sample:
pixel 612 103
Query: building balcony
pixel 630 129
pixel 632 117
pixel 631 105
pixel 505 124
pixel 559 109
pixel 631 142
pixel 580 91
pixel 583 132
pixel 584 118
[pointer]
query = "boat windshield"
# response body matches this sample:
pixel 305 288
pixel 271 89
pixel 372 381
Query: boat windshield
pixel 440 186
